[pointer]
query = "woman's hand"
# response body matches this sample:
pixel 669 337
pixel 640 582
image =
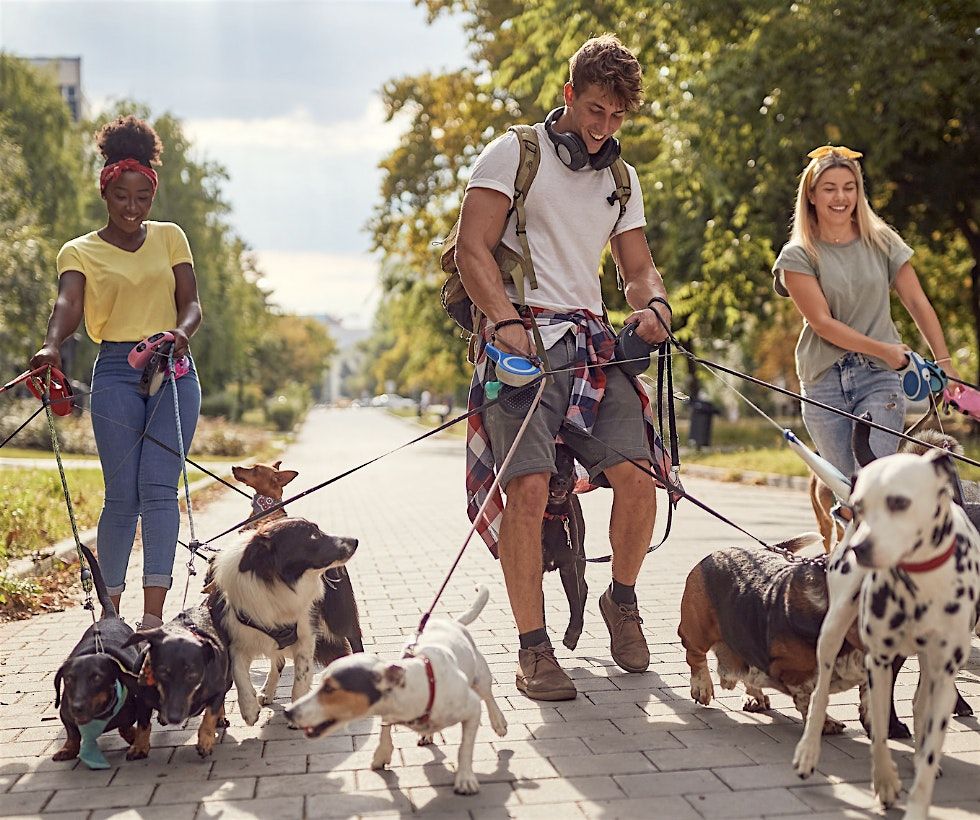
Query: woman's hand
pixel 181 343
pixel 47 355
pixel 896 355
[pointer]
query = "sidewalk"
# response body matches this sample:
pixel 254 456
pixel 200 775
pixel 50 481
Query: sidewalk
pixel 629 746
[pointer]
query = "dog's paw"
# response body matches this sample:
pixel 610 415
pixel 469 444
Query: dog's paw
pixel 380 760
pixel 137 752
pixel 831 726
pixel 805 757
pixel 498 723
pixel 266 700
pixel 65 753
pixel 754 704
pixel 572 634
pixel 702 690
pixel 466 783
pixel 424 740
pixel 205 749
pixel 887 784
pixel 250 712
pixel 898 730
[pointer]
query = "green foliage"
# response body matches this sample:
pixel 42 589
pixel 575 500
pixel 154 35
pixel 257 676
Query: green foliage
pixel 48 194
pixel 737 94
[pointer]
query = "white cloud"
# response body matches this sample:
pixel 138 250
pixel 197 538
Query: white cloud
pixel 343 285
pixel 299 133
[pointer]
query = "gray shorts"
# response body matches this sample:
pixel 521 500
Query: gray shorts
pixel 619 423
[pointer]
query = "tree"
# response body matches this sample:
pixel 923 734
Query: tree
pixel 737 94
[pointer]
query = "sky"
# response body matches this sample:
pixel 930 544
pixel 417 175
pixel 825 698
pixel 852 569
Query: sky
pixel 282 93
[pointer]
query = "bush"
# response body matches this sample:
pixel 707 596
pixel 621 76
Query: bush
pixel 283 413
pixel 218 437
pixel 223 404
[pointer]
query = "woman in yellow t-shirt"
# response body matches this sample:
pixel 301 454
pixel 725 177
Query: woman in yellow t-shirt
pixel 130 279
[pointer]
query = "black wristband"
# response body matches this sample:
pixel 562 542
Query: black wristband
pixel 660 300
pixel 507 323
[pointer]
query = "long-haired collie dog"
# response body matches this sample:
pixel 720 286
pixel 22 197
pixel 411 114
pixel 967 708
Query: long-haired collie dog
pixel 270 579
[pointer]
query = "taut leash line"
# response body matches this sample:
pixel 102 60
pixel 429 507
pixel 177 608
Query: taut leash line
pixel 483 508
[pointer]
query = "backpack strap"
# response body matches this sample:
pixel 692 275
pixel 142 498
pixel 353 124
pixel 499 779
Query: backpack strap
pixel 527 168
pixel 621 176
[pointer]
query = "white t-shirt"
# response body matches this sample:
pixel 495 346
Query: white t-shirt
pixel 569 223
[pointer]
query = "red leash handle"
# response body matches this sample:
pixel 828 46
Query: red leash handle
pixel 61 396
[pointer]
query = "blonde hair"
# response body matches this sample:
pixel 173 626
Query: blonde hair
pixel 871 228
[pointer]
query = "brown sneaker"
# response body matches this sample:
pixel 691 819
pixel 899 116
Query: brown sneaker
pixel 627 645
pixel 540 677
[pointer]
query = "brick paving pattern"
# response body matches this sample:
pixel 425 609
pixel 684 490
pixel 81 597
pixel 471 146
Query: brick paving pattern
pixel 629 746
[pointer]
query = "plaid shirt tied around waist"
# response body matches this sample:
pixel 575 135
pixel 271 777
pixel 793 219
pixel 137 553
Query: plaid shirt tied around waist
pixel 594 346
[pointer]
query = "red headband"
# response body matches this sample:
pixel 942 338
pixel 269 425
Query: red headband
pixel 117 169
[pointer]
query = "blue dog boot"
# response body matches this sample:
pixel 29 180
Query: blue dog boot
pixel 90 754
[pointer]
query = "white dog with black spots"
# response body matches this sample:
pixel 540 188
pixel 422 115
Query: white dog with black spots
pixel 920 595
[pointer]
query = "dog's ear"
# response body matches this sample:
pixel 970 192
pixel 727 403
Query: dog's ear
pixel 943 465
pixel 860 442
pixel 57 683
pixel 394 675
pixel 276 465
pixel 285 476
pixel 140 636
pixel 257 557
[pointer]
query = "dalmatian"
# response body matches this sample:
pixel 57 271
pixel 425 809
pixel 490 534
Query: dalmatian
pixel 909 566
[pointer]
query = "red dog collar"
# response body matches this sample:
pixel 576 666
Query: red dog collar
pixel 420 722
pixel 932 563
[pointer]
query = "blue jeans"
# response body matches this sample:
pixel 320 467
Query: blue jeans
pixel 140 476
pixel 856 385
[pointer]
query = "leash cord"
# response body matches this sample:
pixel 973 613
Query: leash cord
pixel 31 418
pixel 85 573
pixel 481 513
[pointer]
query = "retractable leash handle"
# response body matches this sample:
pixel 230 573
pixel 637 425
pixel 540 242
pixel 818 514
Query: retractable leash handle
pixel 58 391
pixel 824 470
pixel 633 351
pixel 921 377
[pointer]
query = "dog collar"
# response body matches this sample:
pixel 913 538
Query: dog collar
pixel 421 722
pixel 555 517
pixel 932 563
pixel 283 636
pixel 262 503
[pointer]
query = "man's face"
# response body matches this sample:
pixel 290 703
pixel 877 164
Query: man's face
pixel 593 114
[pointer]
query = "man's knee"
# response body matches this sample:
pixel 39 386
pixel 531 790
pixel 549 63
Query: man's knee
pixel 527 495
pixel 633 483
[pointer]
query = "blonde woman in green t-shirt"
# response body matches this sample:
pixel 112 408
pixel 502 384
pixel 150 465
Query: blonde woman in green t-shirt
pixel 839 267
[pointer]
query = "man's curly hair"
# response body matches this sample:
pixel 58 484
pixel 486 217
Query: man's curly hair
pixel 129 138
pixel 605 62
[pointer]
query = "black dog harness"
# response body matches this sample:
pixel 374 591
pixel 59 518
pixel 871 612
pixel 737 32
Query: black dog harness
pixel 283 635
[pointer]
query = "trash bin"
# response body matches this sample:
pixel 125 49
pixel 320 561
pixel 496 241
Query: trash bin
pixel 701 414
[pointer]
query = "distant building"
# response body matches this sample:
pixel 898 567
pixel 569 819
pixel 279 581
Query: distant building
pixel 67 73
pixel 347 360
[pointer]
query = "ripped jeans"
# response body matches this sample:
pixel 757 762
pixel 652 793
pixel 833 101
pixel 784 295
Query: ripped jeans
pixel 854 384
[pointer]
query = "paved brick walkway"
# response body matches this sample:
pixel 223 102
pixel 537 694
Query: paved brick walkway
pixel 630 746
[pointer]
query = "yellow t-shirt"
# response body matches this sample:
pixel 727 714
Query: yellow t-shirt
pixel 129 295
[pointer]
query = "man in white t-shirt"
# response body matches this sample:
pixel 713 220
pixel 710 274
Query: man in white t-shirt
pixel 572 214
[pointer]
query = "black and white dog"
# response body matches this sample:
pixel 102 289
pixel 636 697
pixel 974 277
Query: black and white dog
pixel 909 564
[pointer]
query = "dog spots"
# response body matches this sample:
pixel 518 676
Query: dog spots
pixel 931 759
pixel 897 620
pixel 944 724
pixel 889 642
pixel 845 568
pixel 952 608
pixel 920 641
pixel 898 503
pixel 879 598
pixel 920 610
pixel 958 656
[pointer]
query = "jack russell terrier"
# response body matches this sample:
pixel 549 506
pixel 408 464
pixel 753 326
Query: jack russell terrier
pixel 439 682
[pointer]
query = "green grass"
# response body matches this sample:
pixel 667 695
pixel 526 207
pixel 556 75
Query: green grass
pixel 33 515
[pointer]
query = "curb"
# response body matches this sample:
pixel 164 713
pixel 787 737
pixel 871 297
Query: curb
pixel 65 551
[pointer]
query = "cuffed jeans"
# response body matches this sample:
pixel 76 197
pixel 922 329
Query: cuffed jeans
pixel 854 384
pixel 140 476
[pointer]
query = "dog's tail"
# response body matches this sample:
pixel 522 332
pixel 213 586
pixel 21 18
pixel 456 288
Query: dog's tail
pixel 108 609
pixel 482 596
pixel 800 541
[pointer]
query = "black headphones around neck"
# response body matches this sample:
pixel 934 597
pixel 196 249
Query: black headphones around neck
pixel 571 149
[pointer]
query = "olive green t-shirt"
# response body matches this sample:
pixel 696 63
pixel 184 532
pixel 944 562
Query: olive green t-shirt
pixel 856 278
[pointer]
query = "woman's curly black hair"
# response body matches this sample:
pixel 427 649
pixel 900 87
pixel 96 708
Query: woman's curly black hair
pixel 129 138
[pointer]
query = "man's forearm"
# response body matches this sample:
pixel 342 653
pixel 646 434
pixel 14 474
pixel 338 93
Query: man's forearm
pixel 640 289
pixel 481 277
